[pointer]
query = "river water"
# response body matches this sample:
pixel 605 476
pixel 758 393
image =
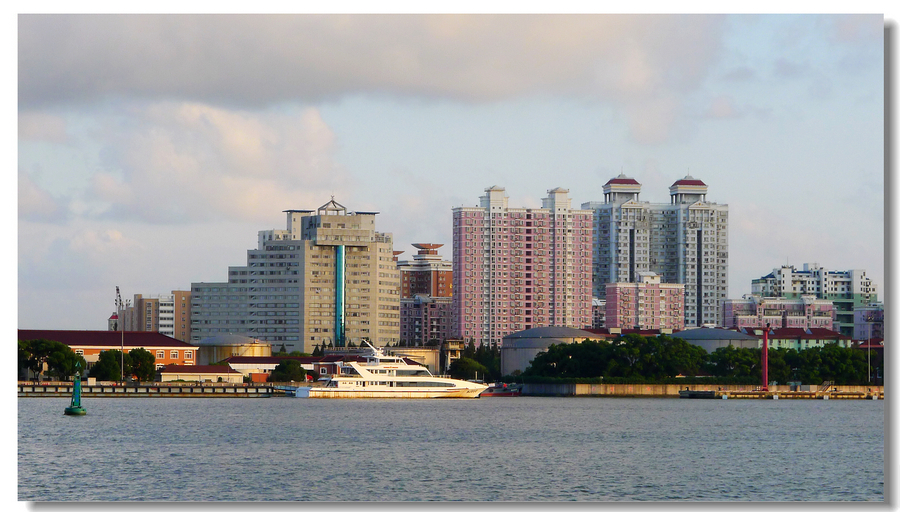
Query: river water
pixel 492 449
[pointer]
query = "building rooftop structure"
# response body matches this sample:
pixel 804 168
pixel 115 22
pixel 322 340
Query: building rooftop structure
pixel 223 340
pixel 549 332
pixel 111 339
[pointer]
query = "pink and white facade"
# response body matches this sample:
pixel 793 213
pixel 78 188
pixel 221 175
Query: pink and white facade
pixel 519 268
pixel 648 304
pixel 752 311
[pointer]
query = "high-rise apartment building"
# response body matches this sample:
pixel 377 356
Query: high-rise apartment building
pixel 519 268
pixel 645 305
pixel 426 274
pixel 683 242
pixel 328 279
pixel 426 288
pixel 168 314
pixel 847 289
pixel 425 319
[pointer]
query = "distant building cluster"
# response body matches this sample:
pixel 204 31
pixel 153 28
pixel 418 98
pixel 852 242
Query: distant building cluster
pixel 846 289
pixel 166 314
pixel 331 279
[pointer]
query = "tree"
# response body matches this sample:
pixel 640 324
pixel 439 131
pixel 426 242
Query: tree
pixel 736 362
pixel 466 368
pixel 317 352
pixel 64 362
pixel 490 359
pixel 108 365
pixel 626 356
pixel 288 370
pixel 780 369
pixel 143 364
pixel 58 358
pixel 22 360
pixel 680 357
pixel 469 351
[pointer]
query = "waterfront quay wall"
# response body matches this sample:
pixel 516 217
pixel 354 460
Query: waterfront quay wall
pixel 150 389
pixel 671 390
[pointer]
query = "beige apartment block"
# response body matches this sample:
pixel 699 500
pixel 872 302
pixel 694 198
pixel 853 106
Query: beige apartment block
pixel 329 279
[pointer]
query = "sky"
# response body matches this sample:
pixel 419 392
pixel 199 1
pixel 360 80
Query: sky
pixel 151 149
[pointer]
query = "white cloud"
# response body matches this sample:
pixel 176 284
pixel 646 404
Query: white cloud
pixel 42 126
pixel 180 162
pixel 36 203
pixel 259 60
pixel 722 107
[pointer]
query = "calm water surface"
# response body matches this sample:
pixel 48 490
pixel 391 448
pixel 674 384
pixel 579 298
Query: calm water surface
pixel 493 449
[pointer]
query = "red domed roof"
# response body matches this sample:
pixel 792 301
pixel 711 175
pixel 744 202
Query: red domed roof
pixel 689 181
pixel 622 180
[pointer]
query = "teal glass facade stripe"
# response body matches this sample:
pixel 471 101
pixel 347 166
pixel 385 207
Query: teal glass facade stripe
pixel 339 296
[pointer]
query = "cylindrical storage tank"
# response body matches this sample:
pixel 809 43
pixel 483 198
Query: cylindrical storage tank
pixel 215 349
pixel 520 348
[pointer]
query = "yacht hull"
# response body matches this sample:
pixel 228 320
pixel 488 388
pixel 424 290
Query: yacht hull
pixel 353 393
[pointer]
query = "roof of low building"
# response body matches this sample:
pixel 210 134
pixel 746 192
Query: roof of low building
pixel 550 332
pixel 111 339
pixel 203 368
pixel 809 333
pixel 712 333
pixel 605 332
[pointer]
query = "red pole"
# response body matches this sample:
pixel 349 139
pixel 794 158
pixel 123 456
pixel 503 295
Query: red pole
pixel 765 359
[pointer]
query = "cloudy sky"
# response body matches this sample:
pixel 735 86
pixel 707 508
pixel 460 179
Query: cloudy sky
pixel 152 148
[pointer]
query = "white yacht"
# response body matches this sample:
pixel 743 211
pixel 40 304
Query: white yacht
pixel 383 376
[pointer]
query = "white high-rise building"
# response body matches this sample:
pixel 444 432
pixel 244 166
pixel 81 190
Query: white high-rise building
pixel 328 279
pixel 683 242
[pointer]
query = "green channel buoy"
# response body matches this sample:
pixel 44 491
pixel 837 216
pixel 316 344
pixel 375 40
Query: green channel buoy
pixel 75 408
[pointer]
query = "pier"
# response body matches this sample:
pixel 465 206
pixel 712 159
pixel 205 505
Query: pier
pixel 787 395
pixel 151 390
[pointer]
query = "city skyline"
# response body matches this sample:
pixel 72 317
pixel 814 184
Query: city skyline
pixel 152 163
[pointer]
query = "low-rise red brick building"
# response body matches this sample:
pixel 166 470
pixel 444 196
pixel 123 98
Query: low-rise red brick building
pixel 89 344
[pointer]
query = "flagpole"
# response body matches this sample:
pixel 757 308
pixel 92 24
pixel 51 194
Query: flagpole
pixel 122 352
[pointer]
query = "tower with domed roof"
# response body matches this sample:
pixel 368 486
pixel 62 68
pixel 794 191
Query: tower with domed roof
pixel 684 241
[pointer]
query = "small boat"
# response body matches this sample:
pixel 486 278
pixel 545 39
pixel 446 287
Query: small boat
pixel 686 393
pixel 502 389
pixel 383 376
pixel 75 408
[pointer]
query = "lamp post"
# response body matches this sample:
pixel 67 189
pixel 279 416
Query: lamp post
pixel 869 356
pixel 122 352
pixel 765 359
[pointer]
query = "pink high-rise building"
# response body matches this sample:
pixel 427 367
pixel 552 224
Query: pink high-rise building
pixel 519 268
pixel 648 304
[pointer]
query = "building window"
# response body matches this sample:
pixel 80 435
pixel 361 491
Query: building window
pixel 79 352
pixel 174 354
pixel 160 354
pixel 188 354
